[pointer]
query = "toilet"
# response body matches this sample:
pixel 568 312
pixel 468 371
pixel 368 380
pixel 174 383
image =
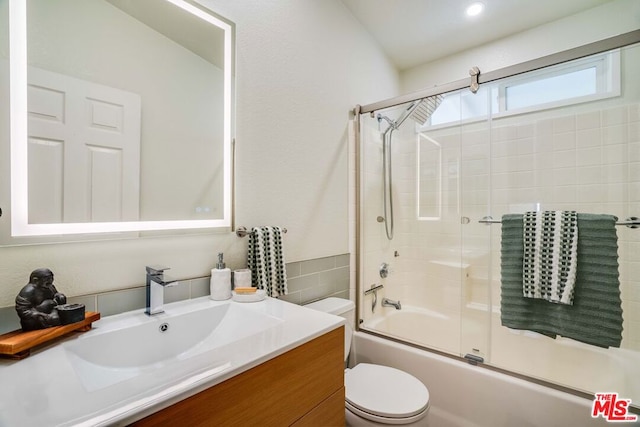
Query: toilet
pixel 374 394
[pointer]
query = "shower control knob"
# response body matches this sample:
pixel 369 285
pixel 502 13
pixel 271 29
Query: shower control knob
pixel 384 270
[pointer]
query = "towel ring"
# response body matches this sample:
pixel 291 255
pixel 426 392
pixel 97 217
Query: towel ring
pixel 243 232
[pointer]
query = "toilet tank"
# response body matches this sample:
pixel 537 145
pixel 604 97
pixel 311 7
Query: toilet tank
pixel 340 307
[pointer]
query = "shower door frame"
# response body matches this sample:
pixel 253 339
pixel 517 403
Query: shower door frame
pixel 615 42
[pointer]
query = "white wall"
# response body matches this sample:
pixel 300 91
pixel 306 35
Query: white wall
pixel 610 19
pixel 301 66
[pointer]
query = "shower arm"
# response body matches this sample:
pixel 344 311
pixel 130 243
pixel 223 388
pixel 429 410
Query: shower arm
pixel 392 124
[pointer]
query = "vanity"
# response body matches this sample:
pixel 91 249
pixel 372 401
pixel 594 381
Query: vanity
pixel 202 362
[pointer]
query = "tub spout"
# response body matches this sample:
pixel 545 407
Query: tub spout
pixel 386 302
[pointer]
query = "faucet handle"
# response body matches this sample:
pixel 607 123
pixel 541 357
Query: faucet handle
pixel 155 269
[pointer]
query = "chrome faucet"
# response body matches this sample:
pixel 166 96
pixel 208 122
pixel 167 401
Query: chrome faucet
pixel 386 302
pixel 156 282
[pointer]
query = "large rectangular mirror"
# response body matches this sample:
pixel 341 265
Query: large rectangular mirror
pixel 121 116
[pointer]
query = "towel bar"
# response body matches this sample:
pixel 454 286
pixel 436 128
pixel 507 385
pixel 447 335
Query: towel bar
pixel 631 222
pixel 243 232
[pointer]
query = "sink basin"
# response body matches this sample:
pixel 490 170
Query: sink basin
pixel 117 353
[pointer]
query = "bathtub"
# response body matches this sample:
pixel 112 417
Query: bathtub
pixel 462 395
pixel 465 395
pixel 419 326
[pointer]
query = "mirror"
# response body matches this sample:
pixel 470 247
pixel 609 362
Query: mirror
pixel 121 116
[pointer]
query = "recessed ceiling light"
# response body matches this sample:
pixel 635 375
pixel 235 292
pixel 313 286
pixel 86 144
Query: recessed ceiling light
pixel 475 8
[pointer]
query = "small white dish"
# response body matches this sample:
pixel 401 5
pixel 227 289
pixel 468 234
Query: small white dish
pixel 259 295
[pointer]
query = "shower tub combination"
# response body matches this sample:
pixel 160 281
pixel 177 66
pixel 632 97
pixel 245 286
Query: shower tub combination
pixel 441 257
pixel 463 395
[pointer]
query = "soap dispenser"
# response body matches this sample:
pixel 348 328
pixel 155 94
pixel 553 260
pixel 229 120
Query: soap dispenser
pixel 220 285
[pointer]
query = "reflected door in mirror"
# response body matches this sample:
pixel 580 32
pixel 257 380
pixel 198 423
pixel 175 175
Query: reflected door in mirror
pixel 84 150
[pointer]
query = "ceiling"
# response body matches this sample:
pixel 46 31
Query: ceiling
pixel 193 33
pixel 413 32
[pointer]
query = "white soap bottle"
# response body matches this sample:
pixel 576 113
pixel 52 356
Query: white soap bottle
pixel 220 286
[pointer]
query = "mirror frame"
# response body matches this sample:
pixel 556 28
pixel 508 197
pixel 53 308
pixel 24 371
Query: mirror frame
pixel 20 226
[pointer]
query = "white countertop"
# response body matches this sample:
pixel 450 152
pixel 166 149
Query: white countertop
pixel 45 389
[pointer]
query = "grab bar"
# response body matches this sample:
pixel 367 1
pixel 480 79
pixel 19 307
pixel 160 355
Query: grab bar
pixel 631 222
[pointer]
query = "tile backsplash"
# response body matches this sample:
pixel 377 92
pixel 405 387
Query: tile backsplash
pixel 318 278
pixel 306 280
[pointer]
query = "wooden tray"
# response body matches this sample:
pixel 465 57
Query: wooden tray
pixel 18 344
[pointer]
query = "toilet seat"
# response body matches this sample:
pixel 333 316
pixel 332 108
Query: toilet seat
pixel 384 394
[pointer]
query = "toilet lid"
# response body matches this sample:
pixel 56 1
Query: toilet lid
pixel 385 391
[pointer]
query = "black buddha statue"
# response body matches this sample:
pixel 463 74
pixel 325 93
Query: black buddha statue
pixel 36 303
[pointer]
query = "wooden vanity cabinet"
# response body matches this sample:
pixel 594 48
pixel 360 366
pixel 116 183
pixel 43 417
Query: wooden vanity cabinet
pixel 302 387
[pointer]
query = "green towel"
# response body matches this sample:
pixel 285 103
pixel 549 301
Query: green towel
pixel 596 314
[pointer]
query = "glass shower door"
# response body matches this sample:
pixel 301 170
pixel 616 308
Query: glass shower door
pixel 422 263
pixel 566 137
pixel 475 200
pixel 458 135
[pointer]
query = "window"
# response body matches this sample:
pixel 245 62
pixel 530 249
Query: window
pixel 582 80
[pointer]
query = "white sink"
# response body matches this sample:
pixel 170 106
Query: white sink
pixel 150 342
pixel 118 353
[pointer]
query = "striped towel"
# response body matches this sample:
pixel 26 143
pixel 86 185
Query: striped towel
pixel 266 260
pixel 550 255
pixel 596 314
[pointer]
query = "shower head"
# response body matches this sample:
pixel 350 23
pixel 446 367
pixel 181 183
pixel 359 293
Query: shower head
pixel 426 108
pixel 420 110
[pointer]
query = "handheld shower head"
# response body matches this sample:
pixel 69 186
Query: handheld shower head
pixel 420 110
pixel 425 108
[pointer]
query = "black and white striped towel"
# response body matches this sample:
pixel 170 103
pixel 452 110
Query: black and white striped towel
pixel 550 255
pixel 266 260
